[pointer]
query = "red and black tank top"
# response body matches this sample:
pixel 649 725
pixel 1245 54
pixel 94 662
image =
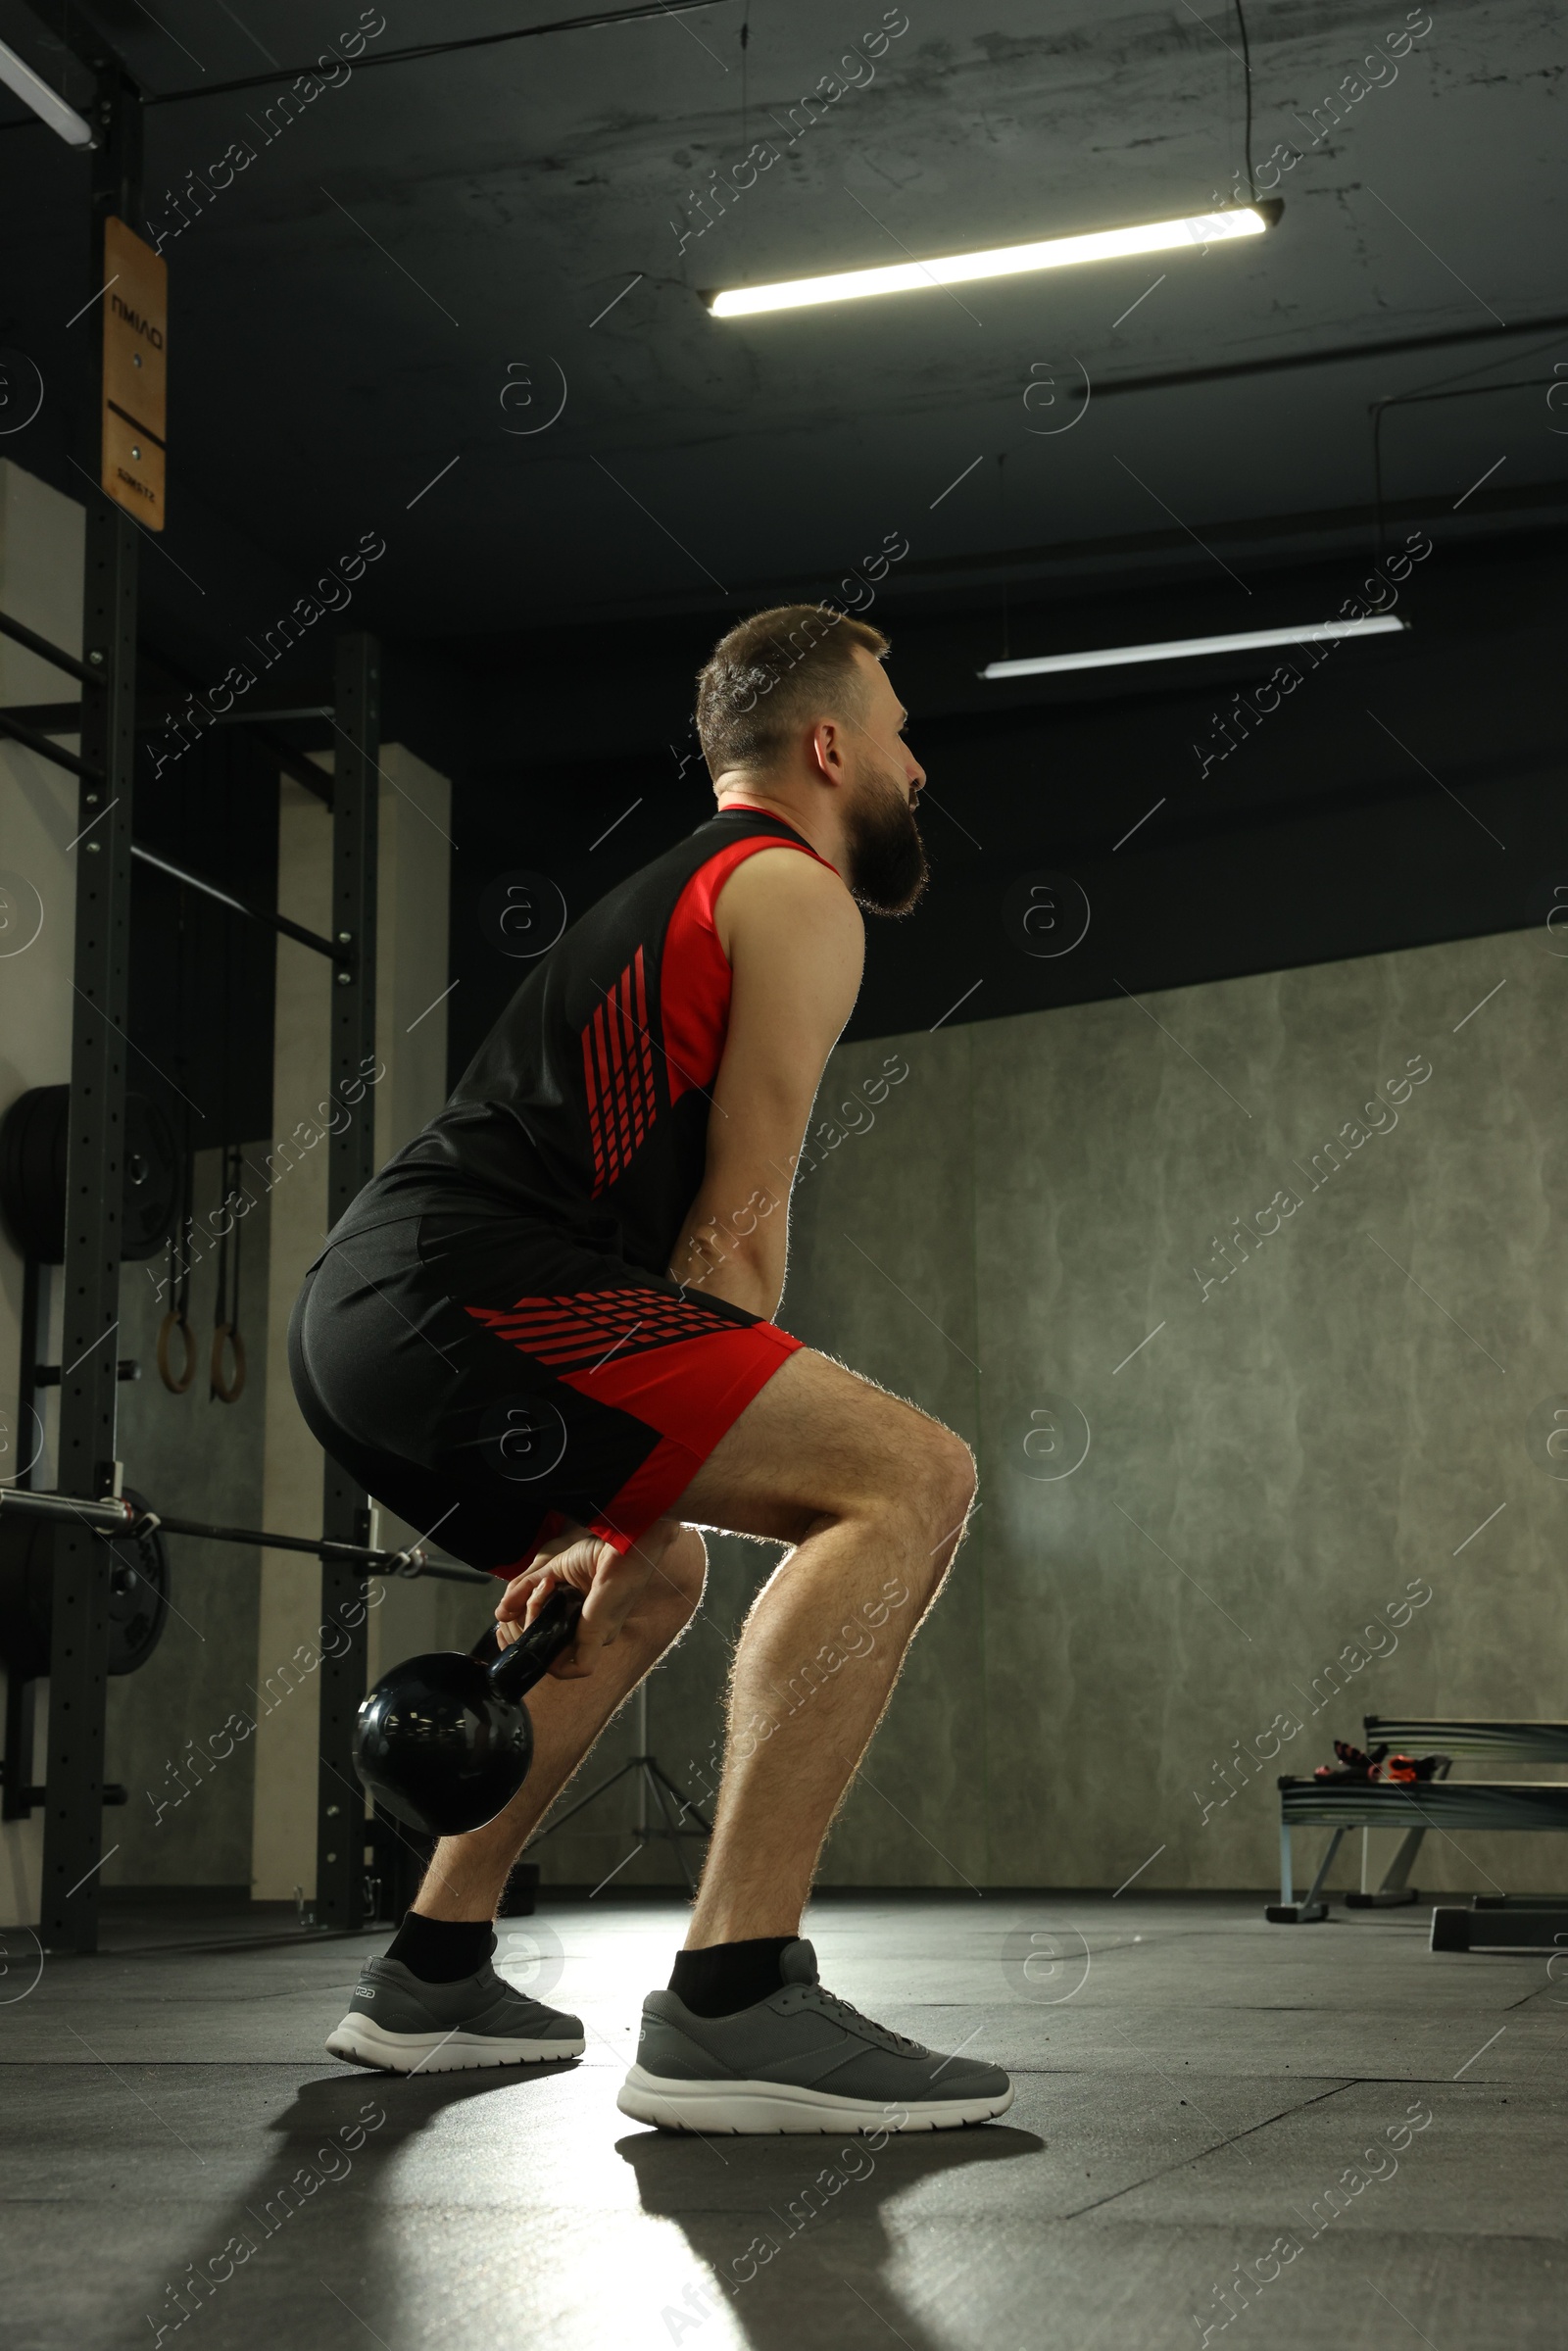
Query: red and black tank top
pixel 587 1104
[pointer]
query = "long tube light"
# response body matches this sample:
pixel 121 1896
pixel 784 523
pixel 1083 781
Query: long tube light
pixel 47 104
pixel 1181 649
pixel 1001 261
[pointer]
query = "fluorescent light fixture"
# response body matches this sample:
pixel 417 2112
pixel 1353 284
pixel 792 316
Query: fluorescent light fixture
pixel 1182 649
pixel 1002 261
pixel 47 104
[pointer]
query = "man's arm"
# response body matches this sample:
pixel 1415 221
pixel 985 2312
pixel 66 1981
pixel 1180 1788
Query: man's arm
pixel 796 944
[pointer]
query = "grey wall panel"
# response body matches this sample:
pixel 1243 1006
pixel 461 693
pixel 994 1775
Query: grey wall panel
pixel 1324 1425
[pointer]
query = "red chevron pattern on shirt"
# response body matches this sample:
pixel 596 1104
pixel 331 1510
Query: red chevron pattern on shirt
pixel 586 1327
pixel 617 1060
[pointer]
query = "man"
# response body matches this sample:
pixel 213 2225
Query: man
pixel 544 1333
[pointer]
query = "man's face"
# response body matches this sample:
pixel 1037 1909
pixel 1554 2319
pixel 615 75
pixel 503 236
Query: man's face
pixel 883 781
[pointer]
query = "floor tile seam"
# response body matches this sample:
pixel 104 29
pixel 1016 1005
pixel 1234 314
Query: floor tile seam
pixel 249 1997
pixel 1075 2072
pixel 1026 2008
pixel 1218 2147
pixel 1385 1998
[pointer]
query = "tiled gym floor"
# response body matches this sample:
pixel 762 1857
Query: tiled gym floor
pixel 1194 2087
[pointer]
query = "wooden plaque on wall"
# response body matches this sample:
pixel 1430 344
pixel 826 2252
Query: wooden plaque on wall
pixel 135 373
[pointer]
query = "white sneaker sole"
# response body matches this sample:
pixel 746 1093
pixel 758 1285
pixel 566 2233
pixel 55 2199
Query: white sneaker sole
pixel 763 2107
pixel 358 2040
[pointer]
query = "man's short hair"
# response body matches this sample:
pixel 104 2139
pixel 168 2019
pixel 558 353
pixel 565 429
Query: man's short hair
pixel 774 674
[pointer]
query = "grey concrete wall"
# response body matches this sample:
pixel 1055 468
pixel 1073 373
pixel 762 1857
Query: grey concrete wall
pixel 1326 1418
pixel 684 1724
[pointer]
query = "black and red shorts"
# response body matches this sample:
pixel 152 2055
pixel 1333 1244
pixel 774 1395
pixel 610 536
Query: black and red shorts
pixel 487 1378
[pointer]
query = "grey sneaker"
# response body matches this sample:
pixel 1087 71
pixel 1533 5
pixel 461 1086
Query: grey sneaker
pixel 405 2026
pixel 800 2060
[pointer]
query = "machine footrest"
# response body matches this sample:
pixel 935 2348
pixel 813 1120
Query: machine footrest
pixel 1496 1928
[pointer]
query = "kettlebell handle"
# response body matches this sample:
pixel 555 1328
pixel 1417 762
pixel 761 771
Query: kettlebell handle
pixel 525 1660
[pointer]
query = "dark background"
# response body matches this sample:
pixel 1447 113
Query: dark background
pixel 344 318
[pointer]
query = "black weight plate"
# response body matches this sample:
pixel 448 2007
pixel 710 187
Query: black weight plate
pixel 150 1194
pixel 138 1595
pixel 32 1172
pixel 33 1175
pixel 24 1553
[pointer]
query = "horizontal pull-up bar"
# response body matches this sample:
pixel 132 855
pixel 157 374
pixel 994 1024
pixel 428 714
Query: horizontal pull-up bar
pixel 113 1515
pixel 343 954
pixel 261 715
pixel 41 744
pixel 292 762
pixel 53 655
pixel 64 717
pixel 53 718
pixel 225 897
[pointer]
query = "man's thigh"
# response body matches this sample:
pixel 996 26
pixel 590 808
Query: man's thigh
pixel 816 1438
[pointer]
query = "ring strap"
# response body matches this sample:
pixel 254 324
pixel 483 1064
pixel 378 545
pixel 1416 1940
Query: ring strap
pixel 227 1391
pixel 174 1320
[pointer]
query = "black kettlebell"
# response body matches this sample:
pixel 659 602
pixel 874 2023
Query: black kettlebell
pixel 444 1741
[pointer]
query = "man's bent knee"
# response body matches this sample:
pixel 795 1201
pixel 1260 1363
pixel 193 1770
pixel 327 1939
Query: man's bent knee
pixel 927 1477
pixel 945 1485
pixel 932 1468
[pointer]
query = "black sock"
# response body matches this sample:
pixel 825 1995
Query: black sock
pixel 728 1977
pixel 442 1950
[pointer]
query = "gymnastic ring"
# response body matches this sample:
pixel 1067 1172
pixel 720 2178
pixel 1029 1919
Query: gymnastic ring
pixel 228 1394
pixel 174 1320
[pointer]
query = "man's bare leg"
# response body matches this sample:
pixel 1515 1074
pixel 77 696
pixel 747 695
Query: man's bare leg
pixel 874 1496
pixel 469 1874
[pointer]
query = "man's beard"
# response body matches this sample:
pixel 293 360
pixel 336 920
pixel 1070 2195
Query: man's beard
pixel 888 871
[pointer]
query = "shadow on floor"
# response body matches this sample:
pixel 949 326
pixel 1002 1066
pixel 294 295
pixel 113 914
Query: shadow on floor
pixel 790 2235
pixel 787 2233
pixel 343 2127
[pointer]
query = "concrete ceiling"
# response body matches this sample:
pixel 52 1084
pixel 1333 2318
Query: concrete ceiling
pixel 347 316
pixel 349 313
